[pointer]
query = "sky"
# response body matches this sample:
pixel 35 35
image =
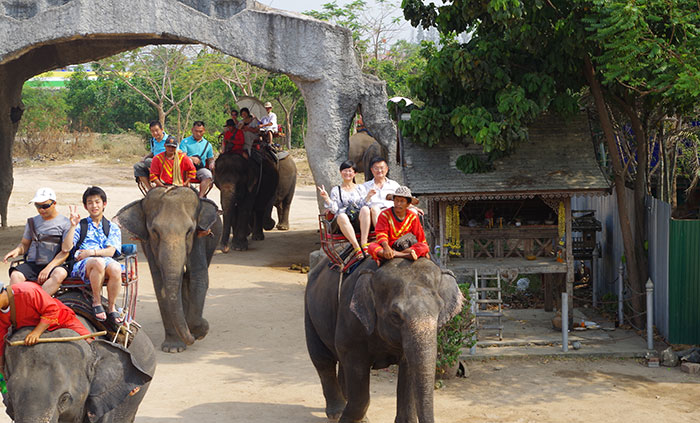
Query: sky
pixel 304 5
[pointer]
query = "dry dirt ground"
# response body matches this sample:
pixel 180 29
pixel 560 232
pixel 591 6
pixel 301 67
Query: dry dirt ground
pixel 253 365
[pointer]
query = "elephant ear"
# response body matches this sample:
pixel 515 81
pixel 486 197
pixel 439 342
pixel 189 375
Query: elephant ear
pixel 362 302
pixel 115 375
pixel 208 213
pixel 132 218
pixel 451 296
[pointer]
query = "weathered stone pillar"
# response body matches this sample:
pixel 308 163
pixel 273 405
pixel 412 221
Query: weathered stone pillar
pixel 11 109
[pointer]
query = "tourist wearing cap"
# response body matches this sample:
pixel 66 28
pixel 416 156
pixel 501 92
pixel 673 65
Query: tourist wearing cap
pixel 162 173
pixel 141 169
pixel 45 244
pixel 201 153
pixel 398 223
pixel 234 139
pixel 268 123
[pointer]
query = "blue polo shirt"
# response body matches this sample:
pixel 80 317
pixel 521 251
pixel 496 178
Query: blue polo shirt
pixel 158 147
pixel 201 148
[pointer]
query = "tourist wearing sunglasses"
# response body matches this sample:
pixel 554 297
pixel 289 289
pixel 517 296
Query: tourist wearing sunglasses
pixel 45 245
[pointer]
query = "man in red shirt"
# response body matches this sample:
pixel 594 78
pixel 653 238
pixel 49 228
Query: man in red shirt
pixel 34 307
pixel 163 164
pixel 396 222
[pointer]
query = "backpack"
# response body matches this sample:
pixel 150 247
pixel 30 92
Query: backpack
pixel 83 235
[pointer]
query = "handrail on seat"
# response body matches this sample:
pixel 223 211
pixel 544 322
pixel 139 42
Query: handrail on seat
pixel 335 245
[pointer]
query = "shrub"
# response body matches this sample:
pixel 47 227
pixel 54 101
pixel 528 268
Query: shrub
pixel 458 333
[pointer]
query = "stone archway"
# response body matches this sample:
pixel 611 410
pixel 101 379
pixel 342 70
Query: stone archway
pixel 40 35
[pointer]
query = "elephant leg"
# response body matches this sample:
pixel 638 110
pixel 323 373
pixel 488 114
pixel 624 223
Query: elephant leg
pixel 356 375
pixel 195 285
pixel 283 213
pixel 259 217
pixel 226 233
pixel 325 365
pixel 406 411
pixel 242 222
pixel 172 342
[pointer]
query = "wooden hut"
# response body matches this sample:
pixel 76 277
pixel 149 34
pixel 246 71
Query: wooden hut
pixel 516 217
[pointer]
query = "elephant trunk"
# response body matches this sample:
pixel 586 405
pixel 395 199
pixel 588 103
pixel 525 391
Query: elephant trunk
pixel 172 268
pixel 420 349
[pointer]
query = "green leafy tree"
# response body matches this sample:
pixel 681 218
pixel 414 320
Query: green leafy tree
pixel 636 60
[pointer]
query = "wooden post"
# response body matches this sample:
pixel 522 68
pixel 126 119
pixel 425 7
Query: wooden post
pixel 569 259
pixel 547 287
pixel 442 207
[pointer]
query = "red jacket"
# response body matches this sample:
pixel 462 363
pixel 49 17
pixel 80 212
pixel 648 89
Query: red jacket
pixel 390 229
pixel 233 141
pixel 32 305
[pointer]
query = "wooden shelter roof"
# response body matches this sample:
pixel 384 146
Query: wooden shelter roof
pixel 557 159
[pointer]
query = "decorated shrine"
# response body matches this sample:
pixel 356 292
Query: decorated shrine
pixel 515 218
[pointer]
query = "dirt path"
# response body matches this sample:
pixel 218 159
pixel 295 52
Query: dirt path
pixel 253 365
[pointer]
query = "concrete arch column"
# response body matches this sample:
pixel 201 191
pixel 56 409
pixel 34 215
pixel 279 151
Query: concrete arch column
pixel 40 35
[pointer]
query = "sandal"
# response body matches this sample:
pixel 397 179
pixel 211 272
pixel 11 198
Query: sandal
pixel 115 317
pixel 98 309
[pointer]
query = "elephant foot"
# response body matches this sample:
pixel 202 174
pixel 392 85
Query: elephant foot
pixel 240 245
pixel 175 346
pixel 258 237
pixel 348 420
pixel 334 411
pixel 283 227
pixel 269 224
pixel 200 331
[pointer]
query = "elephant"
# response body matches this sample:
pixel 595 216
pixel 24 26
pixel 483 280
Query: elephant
pixel 249 189
pixel 384 315
pixel 287 171
pixel 179 232
pixel 76 381
pixel 358 143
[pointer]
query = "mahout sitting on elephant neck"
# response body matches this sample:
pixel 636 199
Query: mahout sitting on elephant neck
pixel 381 316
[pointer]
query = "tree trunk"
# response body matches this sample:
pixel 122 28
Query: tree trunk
pixel 625 226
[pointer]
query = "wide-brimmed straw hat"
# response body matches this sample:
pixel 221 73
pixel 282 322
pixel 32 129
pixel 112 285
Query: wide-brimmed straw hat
pixel 403 191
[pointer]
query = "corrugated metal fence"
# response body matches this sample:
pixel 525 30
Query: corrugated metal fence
pixel 684 282
pixel 612 249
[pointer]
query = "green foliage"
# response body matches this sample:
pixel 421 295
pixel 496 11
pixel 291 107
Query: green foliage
pixel 471 163
pixel 43 109
pixel 456 334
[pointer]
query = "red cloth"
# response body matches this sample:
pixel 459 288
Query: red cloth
pixel 233 141
pixel 389 229
pixel 33 304
pixel 163 168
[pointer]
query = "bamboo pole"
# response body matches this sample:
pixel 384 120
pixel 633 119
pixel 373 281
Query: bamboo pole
pixel 67 339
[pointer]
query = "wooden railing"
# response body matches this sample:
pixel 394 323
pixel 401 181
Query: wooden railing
pixel 538 241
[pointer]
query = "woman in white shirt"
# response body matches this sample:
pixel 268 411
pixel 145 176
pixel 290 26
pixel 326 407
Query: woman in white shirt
pixel 249 125
pixel 348 202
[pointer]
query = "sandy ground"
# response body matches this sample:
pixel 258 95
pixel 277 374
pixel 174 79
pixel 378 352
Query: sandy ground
pixel 253 365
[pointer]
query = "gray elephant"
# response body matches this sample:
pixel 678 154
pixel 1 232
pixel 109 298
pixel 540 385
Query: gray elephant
pixel 358 143
pixel 76 381
pixel 383 316
pixel 374 150
pixel 179 233
pixel 287 170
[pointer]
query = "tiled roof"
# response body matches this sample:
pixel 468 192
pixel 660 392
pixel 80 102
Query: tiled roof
pixel 557 157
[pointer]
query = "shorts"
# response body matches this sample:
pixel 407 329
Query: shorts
pixel 31 270
pixel 143 168
pixel 203 174
pixel 79 267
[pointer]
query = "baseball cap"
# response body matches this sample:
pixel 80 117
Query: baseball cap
pixel 170 142
pixel 43 194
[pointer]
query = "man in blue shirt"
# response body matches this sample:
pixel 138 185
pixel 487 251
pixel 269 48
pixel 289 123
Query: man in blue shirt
pixel 94 252
pixel 200 151
pixel 142 168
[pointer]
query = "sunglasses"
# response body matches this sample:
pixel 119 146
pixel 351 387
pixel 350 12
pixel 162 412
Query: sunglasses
pixel 44 206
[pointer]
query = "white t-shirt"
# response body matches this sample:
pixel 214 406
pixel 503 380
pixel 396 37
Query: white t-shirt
pixel 379 198
pixel 269 118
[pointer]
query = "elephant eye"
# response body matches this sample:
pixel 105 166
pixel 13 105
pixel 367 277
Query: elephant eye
pixel 64 401
pixel 395 317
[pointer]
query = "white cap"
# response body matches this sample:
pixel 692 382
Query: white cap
pixel 43 194
pixel 267 104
